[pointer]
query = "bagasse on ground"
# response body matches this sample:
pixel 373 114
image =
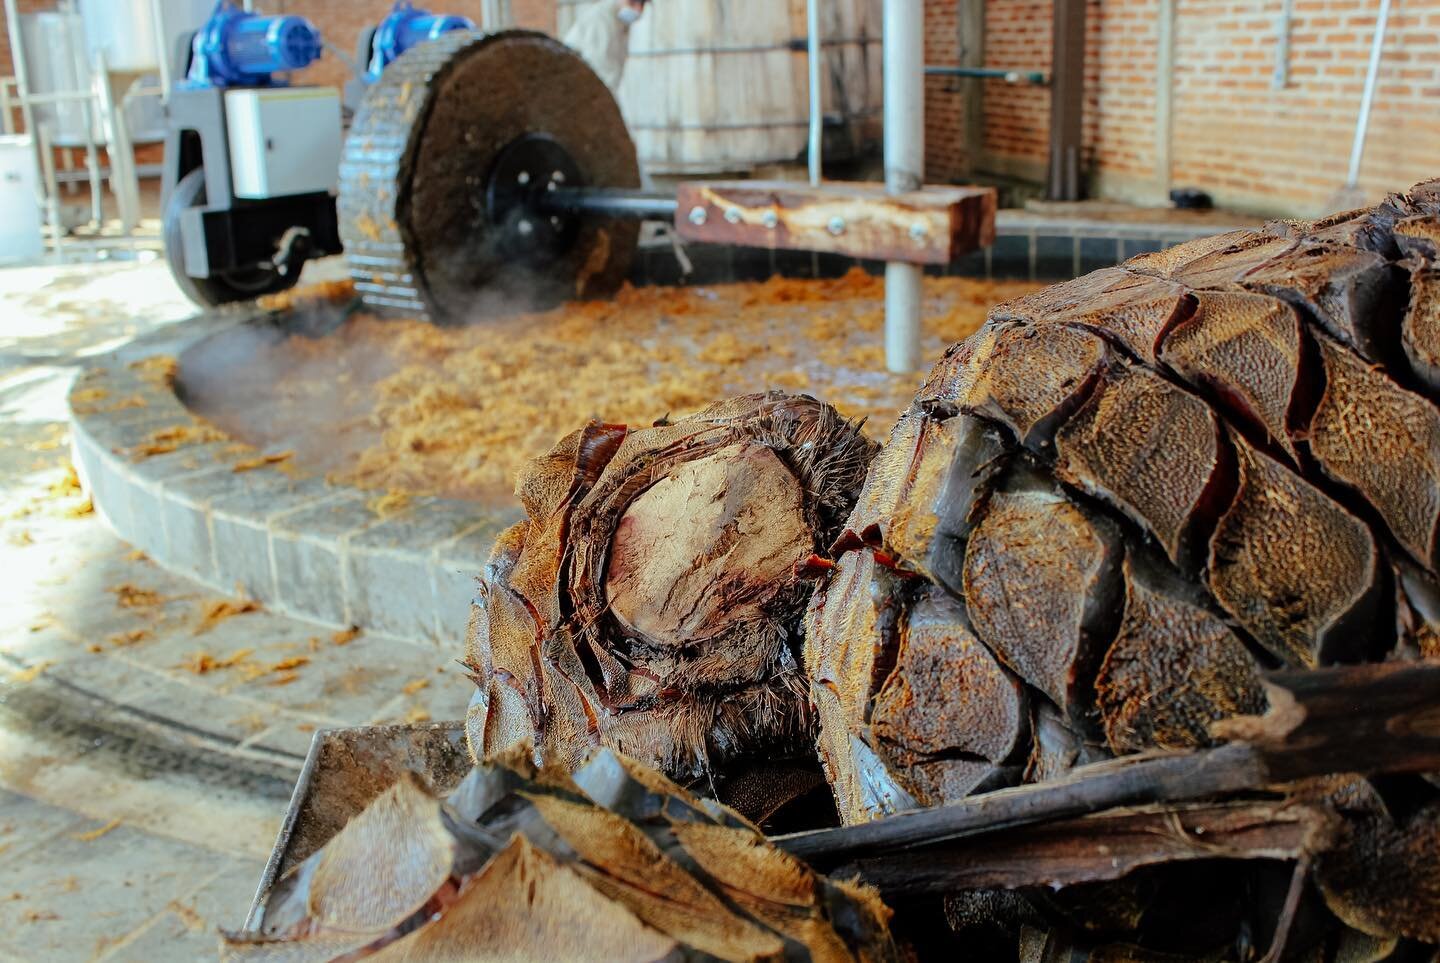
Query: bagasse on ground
pixel 406 406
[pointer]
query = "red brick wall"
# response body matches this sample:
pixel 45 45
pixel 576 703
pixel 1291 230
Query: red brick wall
pixel 1017 117
pixel 1251 146
pixel 1120 129
pixel 946 156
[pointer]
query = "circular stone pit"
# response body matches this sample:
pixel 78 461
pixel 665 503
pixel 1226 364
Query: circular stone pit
pixel 218 511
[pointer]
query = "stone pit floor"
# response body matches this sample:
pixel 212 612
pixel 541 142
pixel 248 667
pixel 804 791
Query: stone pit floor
pixel 147 753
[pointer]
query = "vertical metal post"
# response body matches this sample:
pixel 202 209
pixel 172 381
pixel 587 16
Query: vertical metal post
pixel 124 183
pixel 1280 79
pixel 495 15
pixel 49 193
pixel 75 42
pixel 1367 99
pixel 904 65
pixel 163 44
pixel 1067 100
pixel 1164 99
pixel 51 185
pixel 7 114
pixel 814 62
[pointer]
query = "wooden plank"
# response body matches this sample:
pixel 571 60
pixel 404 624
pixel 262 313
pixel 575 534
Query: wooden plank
pixel 934 225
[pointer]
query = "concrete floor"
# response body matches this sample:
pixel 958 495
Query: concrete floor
pixel 123 834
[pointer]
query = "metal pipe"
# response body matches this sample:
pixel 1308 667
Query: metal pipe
pixel 162 45
pixel 59 97
pixel 1367 99
pixel 1164 99
pixel 904 60
pixel 76 46
pixel 52 186
pixel 797 45
pixel 123 182
pixel 612 202
pixel 814 63
pixel 1036 77
pixel 1281 78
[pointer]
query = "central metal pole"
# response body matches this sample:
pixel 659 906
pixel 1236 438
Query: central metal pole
pixel 904 43
pixel 817 115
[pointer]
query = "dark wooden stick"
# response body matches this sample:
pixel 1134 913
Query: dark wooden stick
pixel 1346 719
pixel 1103 846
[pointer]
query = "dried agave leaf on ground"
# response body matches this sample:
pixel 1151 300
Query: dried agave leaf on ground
pixel 611 862
pixel 649 602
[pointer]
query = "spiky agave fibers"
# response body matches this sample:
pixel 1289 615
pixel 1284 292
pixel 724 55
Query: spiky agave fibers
pixel 649 601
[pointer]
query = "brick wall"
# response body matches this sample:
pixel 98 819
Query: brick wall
pixel 1290 147
pixel 946 153
pixel 1250 145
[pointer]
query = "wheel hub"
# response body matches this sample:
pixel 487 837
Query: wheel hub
pixel 524 172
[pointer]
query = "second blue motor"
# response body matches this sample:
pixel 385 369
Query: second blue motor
pixel 405 27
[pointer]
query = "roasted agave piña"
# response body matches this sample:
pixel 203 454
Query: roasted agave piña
pixel 1125 497
pixel 649 602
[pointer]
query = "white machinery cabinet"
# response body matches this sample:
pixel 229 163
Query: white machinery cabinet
pixel 21 237
pixel 283 140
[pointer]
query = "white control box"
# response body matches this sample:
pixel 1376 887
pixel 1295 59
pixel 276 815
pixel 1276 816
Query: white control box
pixel 283 140
pixel 21 232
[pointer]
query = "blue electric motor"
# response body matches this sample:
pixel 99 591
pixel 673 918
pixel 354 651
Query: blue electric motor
pixel 239 49
pixel 404 28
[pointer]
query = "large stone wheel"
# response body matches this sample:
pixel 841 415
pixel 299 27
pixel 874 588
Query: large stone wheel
pixel 445 123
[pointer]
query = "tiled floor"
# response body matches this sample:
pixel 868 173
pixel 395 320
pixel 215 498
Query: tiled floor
pixel 139 798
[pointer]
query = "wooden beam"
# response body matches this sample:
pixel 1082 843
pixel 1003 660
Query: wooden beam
pixel 934 225
pixel 971 27
pixel 1365 720
pixel 1067 101
pixel 1104 846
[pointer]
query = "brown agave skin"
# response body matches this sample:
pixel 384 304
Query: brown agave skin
pixel 1132 493
pixel 1103 517
pixel 649 601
